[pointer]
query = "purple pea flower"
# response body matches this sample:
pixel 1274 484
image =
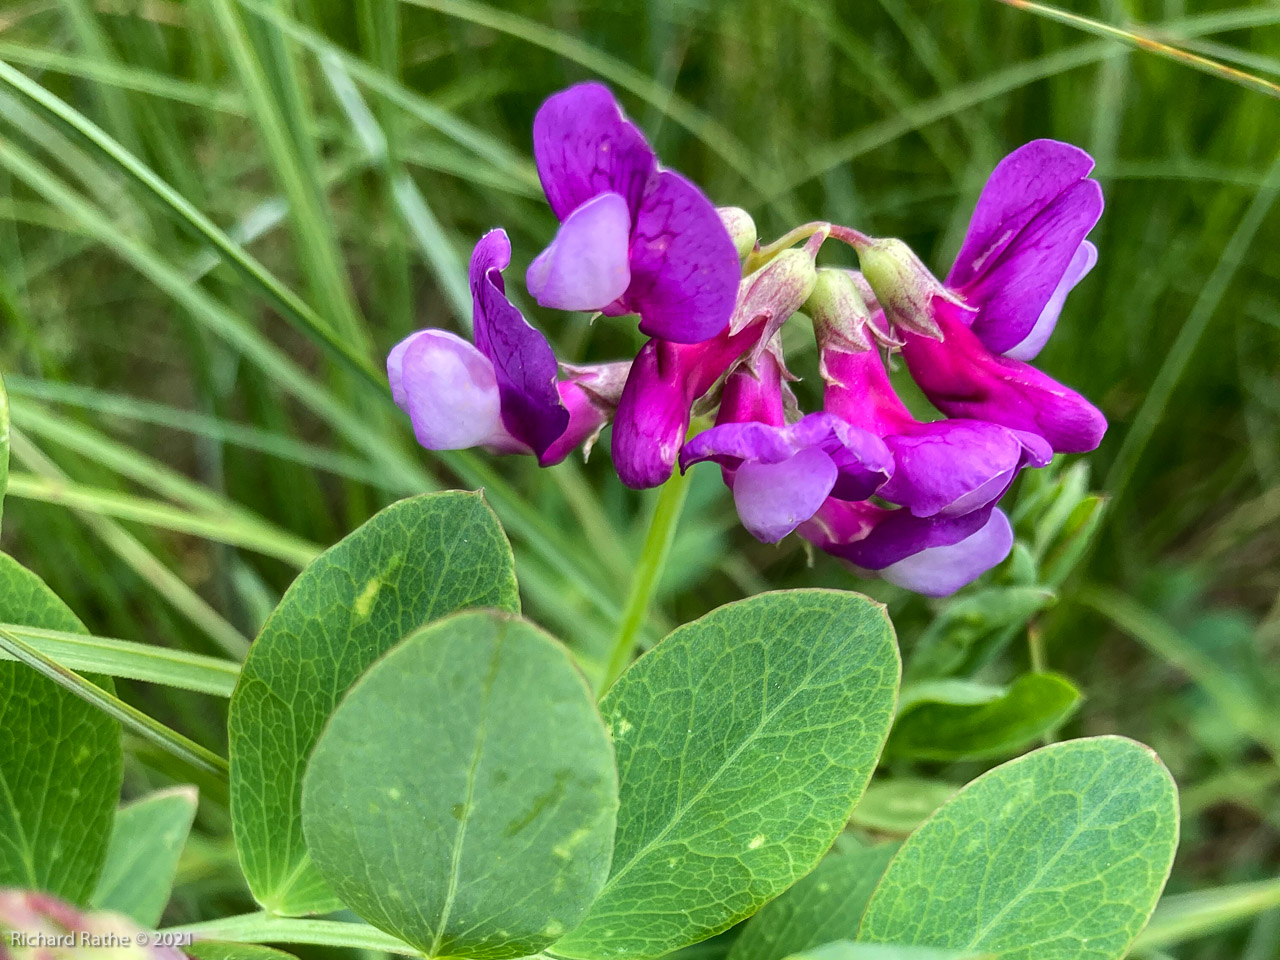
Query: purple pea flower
pixel 944 468
pixel 667 378
pixel 634 237
pixel 966 343
pixel 503 392
pixel 933 556
pixel 780 473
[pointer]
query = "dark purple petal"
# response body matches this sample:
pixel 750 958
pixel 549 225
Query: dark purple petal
pixel 1014 290
pixel 584 145
pixel 684 267
pixel 874 537
pixel 524 365
pixel 1022 184
pixel 951 467
pixel 587 416
pixel 586 267
pixel 941 571
pixel 448 389
pixel 1083 261
pixel 775 498
pixel 962 378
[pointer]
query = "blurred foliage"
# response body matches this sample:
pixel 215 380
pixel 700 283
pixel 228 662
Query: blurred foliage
pixel 357 149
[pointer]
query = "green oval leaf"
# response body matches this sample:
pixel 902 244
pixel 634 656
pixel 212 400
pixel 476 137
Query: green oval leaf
pixel 463 796
pixel 848 950
pixel 142 858
pixel 416 561
pixel 60 759
pixel 958 720
pixel 743 739
pixel 1058 855
pixel 825 906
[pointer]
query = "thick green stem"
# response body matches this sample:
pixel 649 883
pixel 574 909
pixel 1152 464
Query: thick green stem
pixel 657 545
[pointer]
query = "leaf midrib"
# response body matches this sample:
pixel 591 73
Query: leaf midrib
pixel 711 781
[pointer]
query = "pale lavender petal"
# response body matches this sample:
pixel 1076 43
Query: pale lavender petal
pixel 1084 260
pixel 524 364
pixel 584 145
pixel 941 571
pixel 448 389
pixel 964 379
pixel 775 498
pixel 1013 292
pixel 862 461
pixel 684 267
pixel 586 267
pixel 1022 184
pixel 951 467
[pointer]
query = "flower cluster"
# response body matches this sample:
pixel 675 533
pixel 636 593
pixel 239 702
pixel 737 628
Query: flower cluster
pixel 863 479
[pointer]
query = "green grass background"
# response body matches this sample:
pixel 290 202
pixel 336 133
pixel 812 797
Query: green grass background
pixel 182 444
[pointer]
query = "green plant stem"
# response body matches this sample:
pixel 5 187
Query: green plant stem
pixel 265 928
pixel 653 557
pixel 129 716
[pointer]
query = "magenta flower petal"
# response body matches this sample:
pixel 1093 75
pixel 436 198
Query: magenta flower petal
pixel 448 389
pixel 587 263
pixel 1022 184
pixel 524 364
pixel 941 571
pixel 1013 291
pixel 584 145
pixel 1086 256
pixel 775 498
pixel 684 266
pixel 962 378
pixel 951 467
pixel 653 413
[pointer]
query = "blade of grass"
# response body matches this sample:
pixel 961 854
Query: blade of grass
pixel 1144 41
pixel 228 529
pixel 131 660
pixel 143 562
pixel 1186 916
pixel 1149 414
pixel 130 717
pixel 1237 704
pixel 186 213
pixel 717 138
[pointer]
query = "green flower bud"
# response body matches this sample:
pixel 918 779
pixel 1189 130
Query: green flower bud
pixel 742 229
pixel 904 286
pixel 775 291
pixel 840 316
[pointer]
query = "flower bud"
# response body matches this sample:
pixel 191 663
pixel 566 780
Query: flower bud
pixel 775 292
pixel 909 293
pixel 841 318
pixel 742 229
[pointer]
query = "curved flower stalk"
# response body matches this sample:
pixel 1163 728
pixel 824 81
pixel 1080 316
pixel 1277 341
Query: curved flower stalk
pixel 908 499
pixel 634 237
